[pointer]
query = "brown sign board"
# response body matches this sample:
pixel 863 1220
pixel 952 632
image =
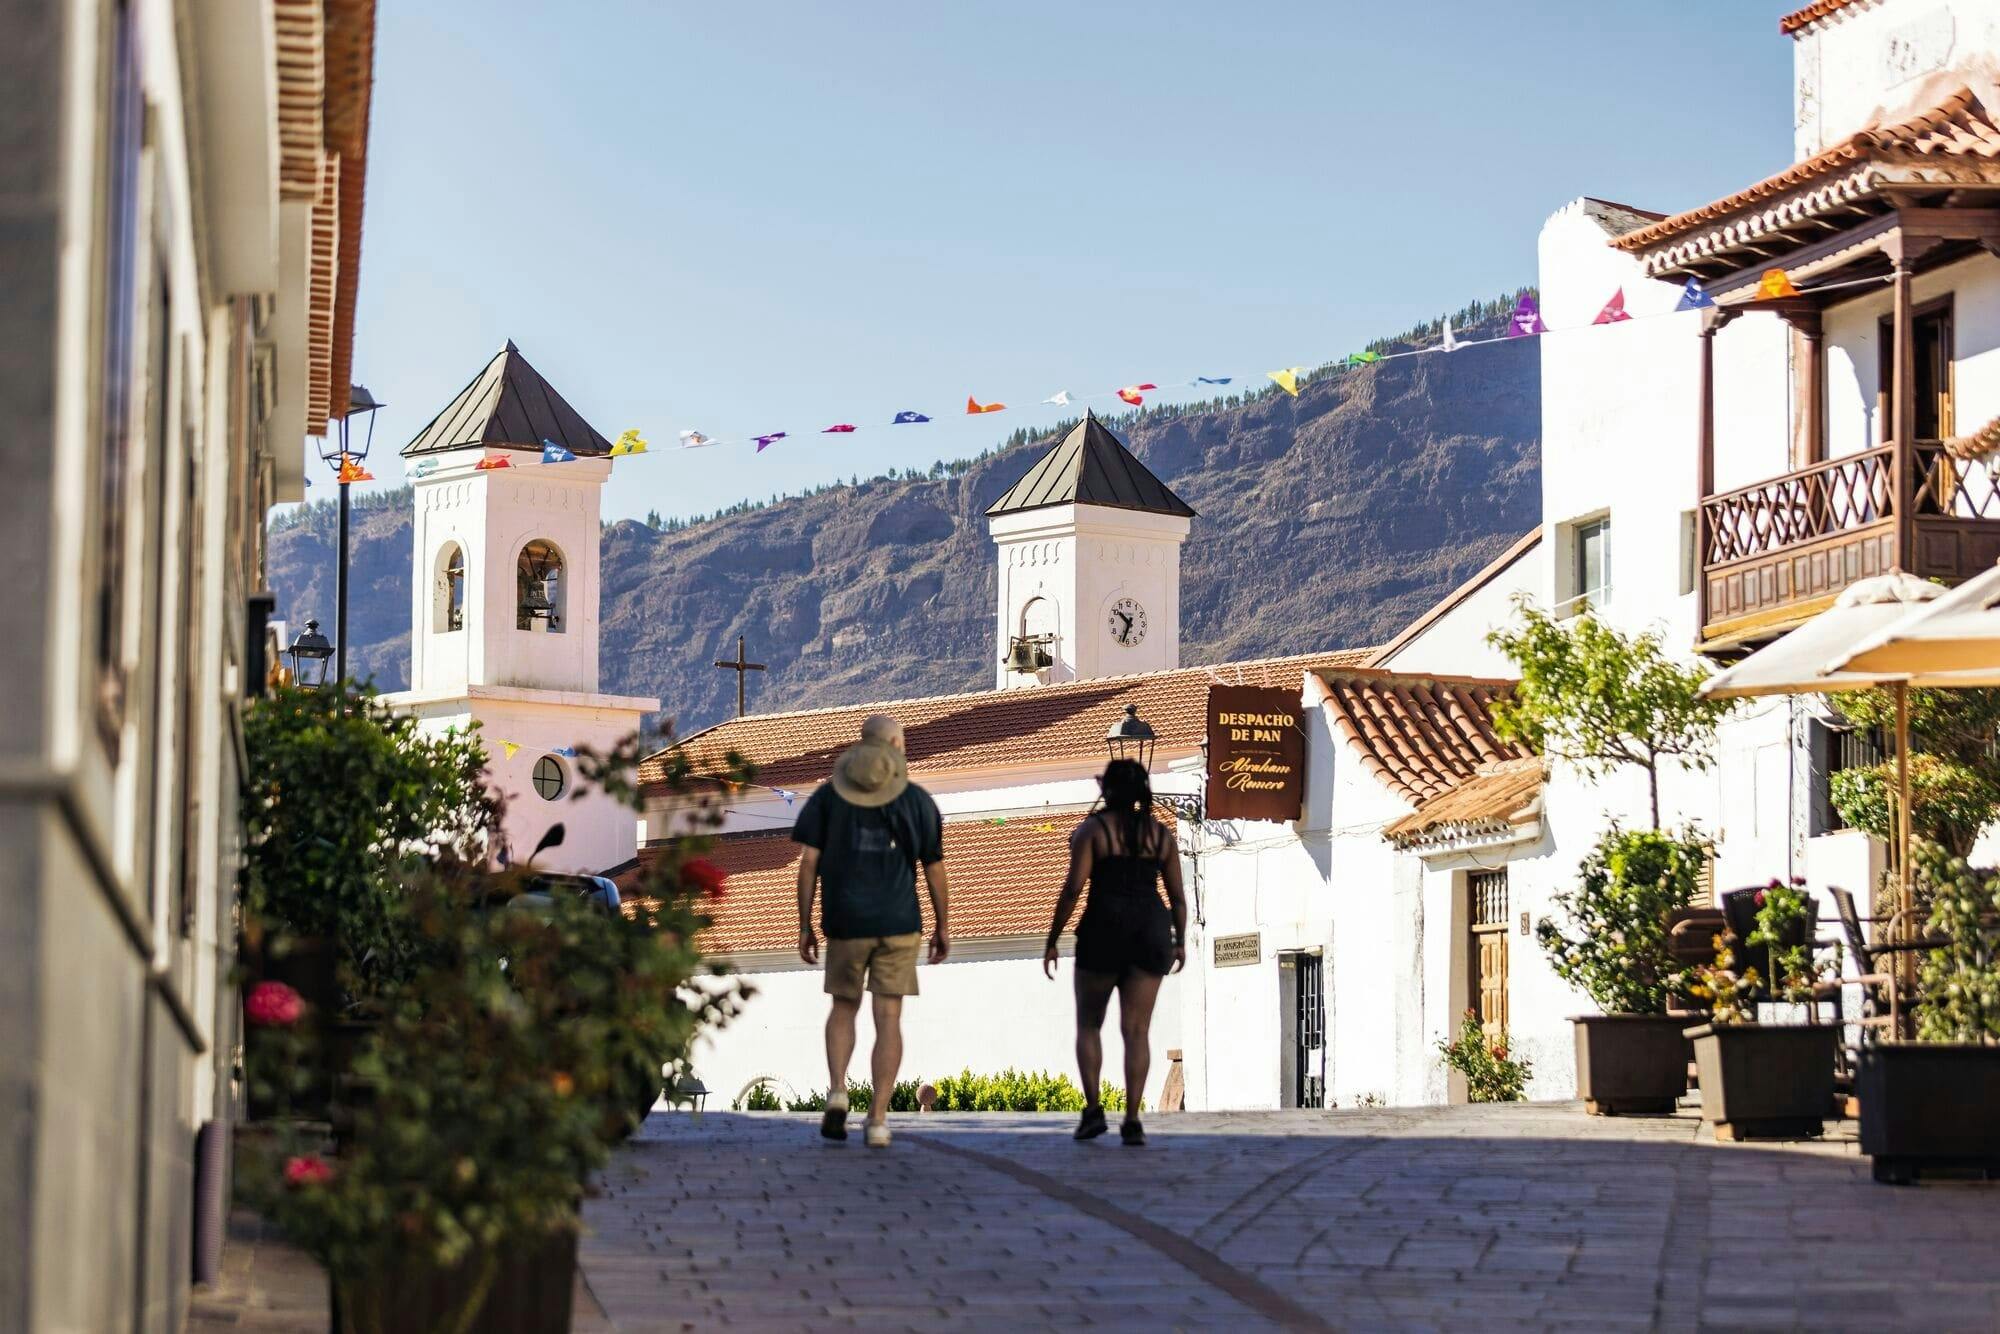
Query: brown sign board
pixel 1256 754
pixel 1236 951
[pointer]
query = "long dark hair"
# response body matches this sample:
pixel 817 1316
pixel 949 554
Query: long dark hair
pixel 1128 798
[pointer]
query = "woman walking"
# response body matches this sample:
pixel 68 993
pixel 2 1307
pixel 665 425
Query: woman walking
pixel 1127 942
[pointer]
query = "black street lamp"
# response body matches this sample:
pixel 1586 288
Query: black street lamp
pixel 346 461
pixel 1131 738
pixel 309 653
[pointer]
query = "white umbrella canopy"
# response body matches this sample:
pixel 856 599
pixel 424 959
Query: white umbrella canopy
pixel 1952 640
pixel 1796 664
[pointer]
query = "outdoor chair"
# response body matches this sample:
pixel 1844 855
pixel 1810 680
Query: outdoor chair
pixel 1882 994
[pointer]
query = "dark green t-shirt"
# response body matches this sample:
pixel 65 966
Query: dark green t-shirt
pixel 868 859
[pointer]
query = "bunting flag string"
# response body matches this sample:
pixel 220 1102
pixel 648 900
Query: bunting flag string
pixel 1525 321
pixel 488 465
pixel 352 471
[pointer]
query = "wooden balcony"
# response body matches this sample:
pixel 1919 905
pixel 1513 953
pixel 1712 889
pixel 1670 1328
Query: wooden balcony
pixel 1778 552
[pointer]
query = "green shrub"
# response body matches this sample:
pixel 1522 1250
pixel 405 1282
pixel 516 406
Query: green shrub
pixel 1960 982
pixel 1491 1073
pixel 1009 1091
pixel 1616 947
pixel 760 1098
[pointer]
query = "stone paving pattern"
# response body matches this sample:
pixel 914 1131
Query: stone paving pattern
pixel 1515 1217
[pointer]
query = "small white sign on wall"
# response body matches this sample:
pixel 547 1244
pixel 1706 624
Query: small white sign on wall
pixel 1235 951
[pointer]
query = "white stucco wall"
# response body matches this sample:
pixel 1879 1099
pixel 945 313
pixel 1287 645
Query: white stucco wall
pixel 1455 644
pixel 986 1009
pixel 1853 358
pixel 1871 56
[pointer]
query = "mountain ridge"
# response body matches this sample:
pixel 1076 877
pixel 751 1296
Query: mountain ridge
pixel 1375 490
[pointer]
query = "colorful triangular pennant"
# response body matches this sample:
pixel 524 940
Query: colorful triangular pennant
pixel 1614 309
pixel 1060 398
pixel 1526 319
pixel 1288 379
pixel 1134 393
pixel 510 747
pixel 488 465
pixel 1213 379
pixel 908 419
pixel 352 471
pixel 764 442
pixel 1776 285
pixel 695 440
pixel 1354 359
pixel 1694 296
pixel 424 469
pixel 841 428
pixel 628 443
pixel 973 405
pixel 555 453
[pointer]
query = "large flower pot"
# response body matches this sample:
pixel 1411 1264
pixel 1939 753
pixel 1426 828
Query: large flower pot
pixel 1630 1062
pixel 1930 1109
pixel 1765 1081
pixel 521 1287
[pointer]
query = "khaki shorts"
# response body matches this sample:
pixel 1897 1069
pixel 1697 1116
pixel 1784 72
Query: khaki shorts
pixel 889 962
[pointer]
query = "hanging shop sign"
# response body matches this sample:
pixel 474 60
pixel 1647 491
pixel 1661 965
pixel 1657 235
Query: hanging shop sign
pixel 1256 754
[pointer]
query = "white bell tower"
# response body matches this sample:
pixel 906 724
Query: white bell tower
pixel 504 605
pixel 1090 565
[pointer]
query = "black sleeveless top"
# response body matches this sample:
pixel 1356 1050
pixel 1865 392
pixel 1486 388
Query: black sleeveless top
pixel 1126 924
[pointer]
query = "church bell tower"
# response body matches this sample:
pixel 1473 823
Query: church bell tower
pixel 507 482
pixel 1090 565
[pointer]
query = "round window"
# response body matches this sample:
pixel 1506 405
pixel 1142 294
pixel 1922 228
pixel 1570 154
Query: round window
pixel 549 778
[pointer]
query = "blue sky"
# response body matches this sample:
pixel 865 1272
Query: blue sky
pixel 776 216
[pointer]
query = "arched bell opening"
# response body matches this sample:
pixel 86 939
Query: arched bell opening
pixel 541 588
pixel 448 590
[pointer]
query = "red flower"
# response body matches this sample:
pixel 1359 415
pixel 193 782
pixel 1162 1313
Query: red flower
pixel 307 1170
pixel 1500 1051
pixel 704 876
pixel 1760 898
pixel 273 1005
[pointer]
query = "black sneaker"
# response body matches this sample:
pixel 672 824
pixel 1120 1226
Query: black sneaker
pixel 833 1123
pixel 1092 1125
pixel 1132 1135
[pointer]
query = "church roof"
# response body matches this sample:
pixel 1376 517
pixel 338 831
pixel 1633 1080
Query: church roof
pixel 509 405
pixel 991 728
pixel 1089 467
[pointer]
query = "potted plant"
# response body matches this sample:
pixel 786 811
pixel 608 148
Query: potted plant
pixel 1929 1106
pixel 1631 1057
pixel 1764 1080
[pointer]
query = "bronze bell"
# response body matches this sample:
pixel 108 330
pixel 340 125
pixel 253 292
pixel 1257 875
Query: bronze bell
pixel 536 603
pixel 1025 656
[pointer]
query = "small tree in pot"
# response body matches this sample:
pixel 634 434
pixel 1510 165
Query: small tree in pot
pixel 1600 700
pixel 1614 948
pixel 1929 1105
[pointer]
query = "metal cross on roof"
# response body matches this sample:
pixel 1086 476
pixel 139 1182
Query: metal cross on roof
pixel 742 668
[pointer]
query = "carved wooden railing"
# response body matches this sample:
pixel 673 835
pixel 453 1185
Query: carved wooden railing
pixel 1951 487
pixel 1825 500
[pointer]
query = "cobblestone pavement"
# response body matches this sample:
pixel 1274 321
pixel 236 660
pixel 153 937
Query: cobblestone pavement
pixel 1495 1217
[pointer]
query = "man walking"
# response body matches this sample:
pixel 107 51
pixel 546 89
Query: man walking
pixel 865 832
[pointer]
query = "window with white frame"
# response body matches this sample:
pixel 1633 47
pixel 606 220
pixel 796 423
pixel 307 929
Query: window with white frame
pixel 1589 564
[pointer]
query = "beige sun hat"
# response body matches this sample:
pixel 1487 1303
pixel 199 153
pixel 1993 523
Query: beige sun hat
pixel 870 773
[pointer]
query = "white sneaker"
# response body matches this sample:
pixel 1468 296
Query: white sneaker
pixel 878 1135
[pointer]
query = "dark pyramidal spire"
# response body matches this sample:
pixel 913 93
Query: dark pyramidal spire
pixel 1089 467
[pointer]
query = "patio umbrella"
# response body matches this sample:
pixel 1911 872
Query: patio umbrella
pixel 1951 640
pixel 1798 663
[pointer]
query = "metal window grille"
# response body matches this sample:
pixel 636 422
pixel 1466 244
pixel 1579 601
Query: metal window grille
pixel 1311 1087
pixel 548 778
pixel 1489 898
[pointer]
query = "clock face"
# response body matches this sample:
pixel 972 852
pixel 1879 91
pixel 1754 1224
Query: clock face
pixel 1128 622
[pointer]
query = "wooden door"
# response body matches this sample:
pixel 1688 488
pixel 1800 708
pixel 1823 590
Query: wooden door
pixel 1487 952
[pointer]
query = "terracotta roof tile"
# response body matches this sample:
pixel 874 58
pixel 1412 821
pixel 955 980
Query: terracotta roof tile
pixel 1004 882
pixel 992 728
pixel 1420 736
pixel 1499 794
pixel 1813 13
pixel 1959 127
pixel 1981 444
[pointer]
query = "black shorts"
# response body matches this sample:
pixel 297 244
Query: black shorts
pixel 1125 931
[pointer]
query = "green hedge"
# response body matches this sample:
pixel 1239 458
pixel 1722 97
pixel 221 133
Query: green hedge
pixel 1009 1091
